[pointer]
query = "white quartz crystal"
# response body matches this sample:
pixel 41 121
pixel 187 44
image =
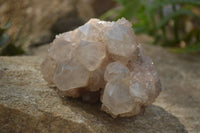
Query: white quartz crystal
pixel 91 54
pixel 102 60
pixel 116 70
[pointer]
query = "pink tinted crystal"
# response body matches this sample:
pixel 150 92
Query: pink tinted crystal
pixel 103 60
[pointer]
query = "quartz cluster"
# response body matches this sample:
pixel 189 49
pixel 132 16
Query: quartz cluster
pixel 103 58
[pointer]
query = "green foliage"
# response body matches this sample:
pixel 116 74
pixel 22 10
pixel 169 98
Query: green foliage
pixel 174 15
pixel 3 36
pixel 3 39
pixel 189 49
pixel 8 44
pixel 148 17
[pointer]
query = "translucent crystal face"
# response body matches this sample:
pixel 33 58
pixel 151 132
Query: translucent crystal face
pixel 125 22
pixel 116 70
pixel 89 32
pixel 117 98
pixel 103 58
pixel 91 54
pixel 71 75
pixel 138 90
pixel 120 41
pixel 144 81
pixel 61 50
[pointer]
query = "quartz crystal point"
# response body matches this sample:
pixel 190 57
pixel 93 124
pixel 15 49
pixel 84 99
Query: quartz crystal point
pixel 102 60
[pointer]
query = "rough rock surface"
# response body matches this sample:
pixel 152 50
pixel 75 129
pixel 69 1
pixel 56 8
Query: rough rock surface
pixel 103 56
pixel 28 105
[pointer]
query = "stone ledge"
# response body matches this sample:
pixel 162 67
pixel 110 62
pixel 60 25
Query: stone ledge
pixel 27 104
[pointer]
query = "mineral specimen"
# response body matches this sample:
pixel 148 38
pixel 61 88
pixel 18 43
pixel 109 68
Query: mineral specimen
pixel 103 58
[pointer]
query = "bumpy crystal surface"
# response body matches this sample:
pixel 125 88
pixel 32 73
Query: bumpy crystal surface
pixel 102 60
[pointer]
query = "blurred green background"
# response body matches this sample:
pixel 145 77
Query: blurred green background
pixel 173 24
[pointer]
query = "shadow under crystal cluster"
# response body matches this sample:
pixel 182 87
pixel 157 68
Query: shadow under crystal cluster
pixel 103 58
